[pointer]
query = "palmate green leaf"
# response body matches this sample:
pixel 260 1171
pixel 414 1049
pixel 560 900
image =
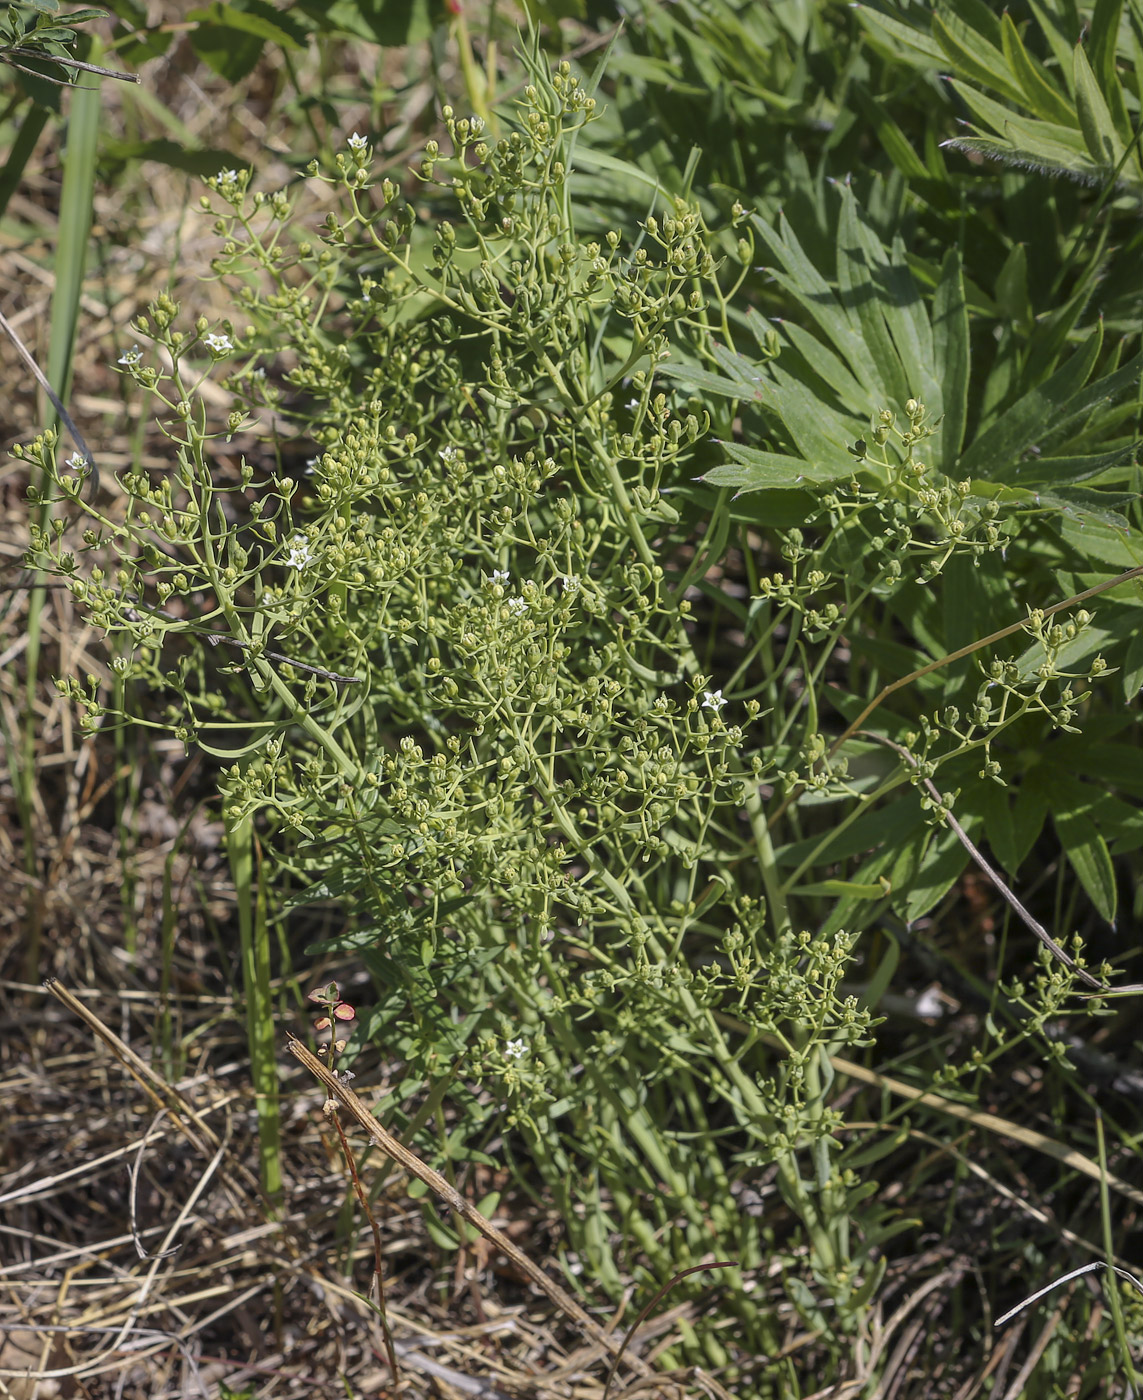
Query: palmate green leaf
pixel 866 302
pixel 1060 400
pixel 755 470
pixel 798 275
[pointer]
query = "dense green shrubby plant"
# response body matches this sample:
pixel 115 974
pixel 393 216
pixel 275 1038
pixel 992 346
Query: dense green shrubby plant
pixel 473 707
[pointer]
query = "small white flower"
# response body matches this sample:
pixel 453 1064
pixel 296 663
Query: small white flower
pixel 447 454
pixel 219 344
pixel 570 583
pixel 227 177
pixel 131 357
pixel 300 554
pixel 519 606
pixel 499 576
pixel 929 1004
pixel 712 700
pixel 358 143
pixel 632 403
pixel 515 1049
pixel 76 462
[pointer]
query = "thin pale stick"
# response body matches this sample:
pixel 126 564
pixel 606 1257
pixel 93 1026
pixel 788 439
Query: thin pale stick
pixel 460 1204
pixel 1102 988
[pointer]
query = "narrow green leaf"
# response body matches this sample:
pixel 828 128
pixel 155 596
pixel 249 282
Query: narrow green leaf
pixel 951 357
pixel 74 227
pixel 893 140
pixel 1041 97
pixel 1040 140
pixel 1012 287
pixel 1060 40
pixel 12 171
pixel 973 57
pixel 898 39
pixel 1103 44
pixel 1099 133
pixel 1089 857
pixel 834 888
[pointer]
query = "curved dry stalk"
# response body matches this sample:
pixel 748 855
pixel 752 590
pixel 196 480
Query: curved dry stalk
pixel 463 1207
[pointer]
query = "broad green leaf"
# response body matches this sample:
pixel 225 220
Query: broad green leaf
pixel 254 17
pixel 941 866
pixel 202 161
pixel 1054 472
pixel 1132 674
pixel 387 22
pixel 1090 859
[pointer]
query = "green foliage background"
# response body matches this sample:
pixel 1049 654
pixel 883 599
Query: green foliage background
pixel 680 406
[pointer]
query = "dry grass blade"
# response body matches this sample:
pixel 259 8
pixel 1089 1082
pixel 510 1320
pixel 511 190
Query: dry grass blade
pixel 458 1203
pixel 204 1140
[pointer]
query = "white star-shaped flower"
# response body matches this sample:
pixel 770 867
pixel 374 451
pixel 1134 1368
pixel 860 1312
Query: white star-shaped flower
pixel 515 1049
pixel 518 606
pixel 77 462
pixel 499 576
pixel 712 700
pixel 219 344
pixel 300 554
pixel 131 357
pixel 358 143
